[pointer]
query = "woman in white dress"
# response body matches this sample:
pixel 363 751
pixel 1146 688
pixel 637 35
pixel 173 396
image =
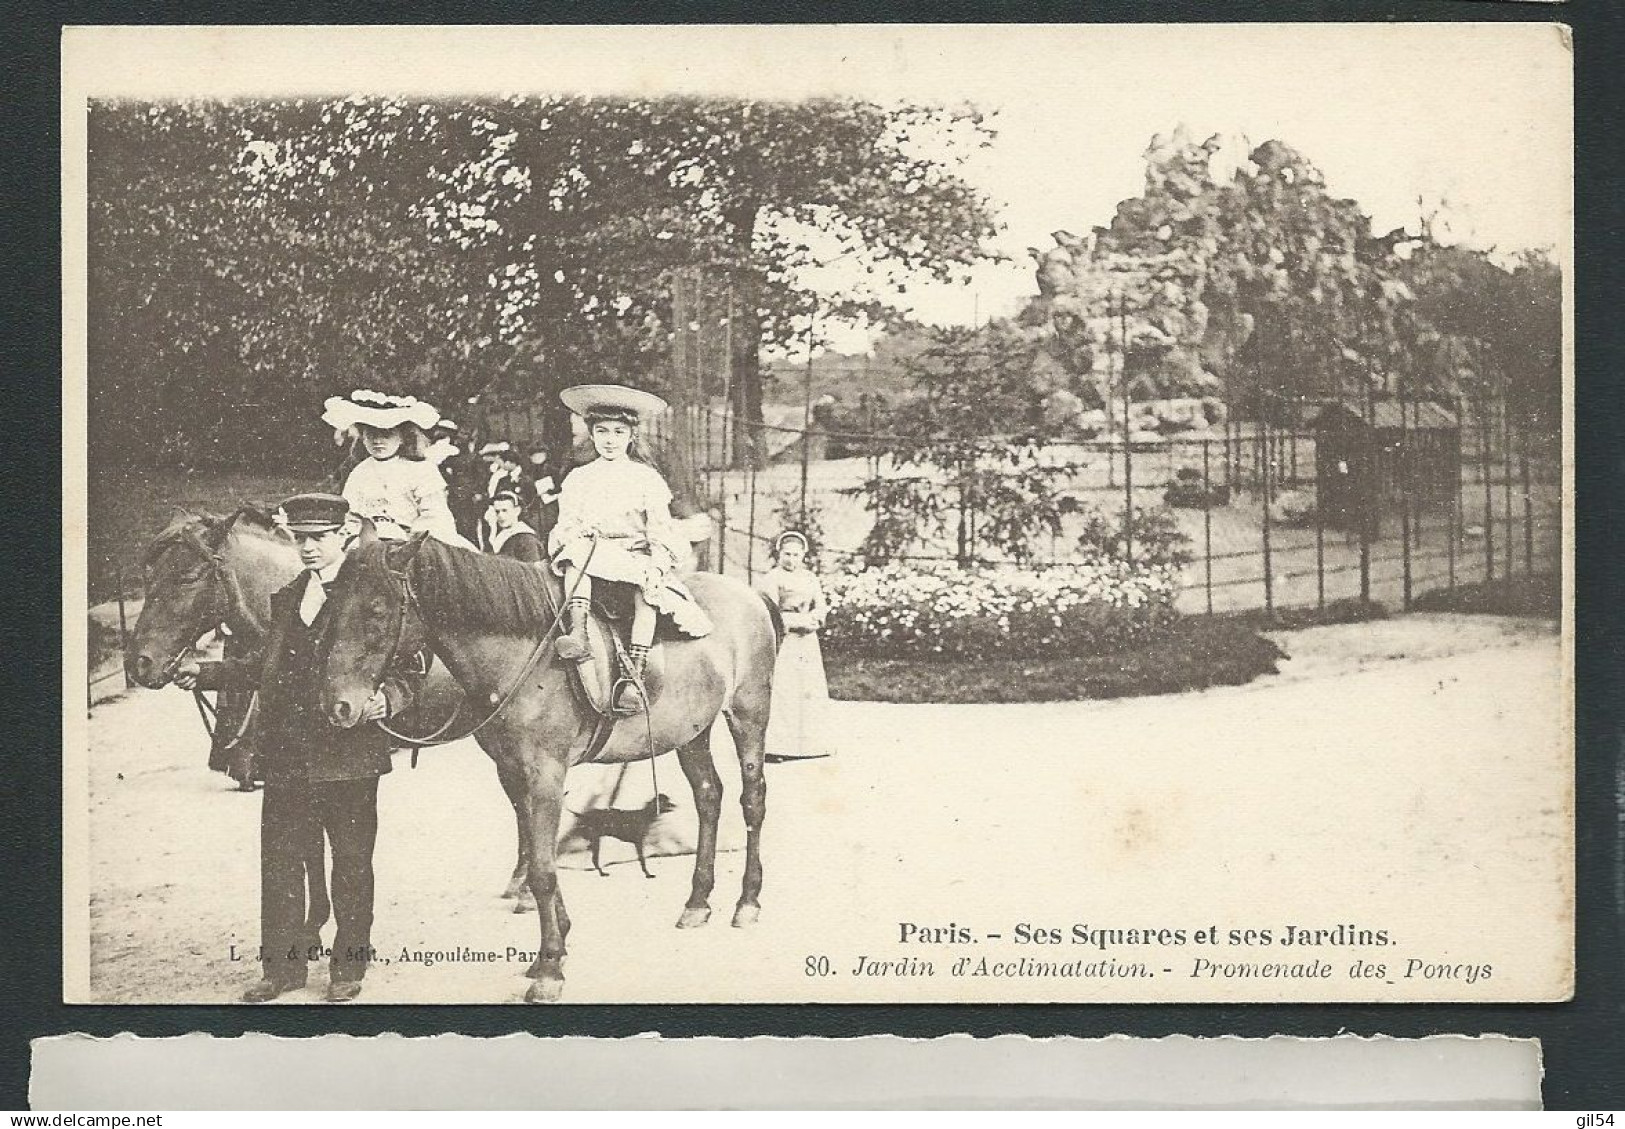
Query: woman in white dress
pixel 400 490
pixel 798 726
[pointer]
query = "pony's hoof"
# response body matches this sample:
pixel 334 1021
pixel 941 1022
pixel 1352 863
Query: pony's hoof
pixel 694 917
pixel 524 904
pixel 746 915
pixel 544 992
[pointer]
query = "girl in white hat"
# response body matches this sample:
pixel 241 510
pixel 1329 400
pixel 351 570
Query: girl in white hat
pixel 615 523
pixel 395 485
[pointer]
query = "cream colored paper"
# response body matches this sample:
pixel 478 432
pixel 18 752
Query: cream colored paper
pixel 1402 792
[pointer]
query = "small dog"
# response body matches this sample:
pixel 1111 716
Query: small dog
pixel 629 825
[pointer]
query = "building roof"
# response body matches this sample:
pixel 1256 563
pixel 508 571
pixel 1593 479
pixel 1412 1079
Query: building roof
pixel 1386 415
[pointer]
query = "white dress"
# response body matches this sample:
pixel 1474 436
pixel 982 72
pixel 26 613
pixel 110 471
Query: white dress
pixel 403 496
pixel 627 505
pixel 799 724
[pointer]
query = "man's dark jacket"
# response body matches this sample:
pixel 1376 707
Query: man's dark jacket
pixel 297 745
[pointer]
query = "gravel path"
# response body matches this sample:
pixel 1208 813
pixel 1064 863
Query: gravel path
pixel 1409 775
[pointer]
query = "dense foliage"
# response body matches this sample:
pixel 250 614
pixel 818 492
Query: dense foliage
pixel 248 259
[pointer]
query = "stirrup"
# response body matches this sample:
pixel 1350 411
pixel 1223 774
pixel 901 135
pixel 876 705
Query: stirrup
pixel 625 699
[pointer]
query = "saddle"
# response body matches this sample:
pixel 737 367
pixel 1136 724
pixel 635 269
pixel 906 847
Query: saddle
pixel 596 679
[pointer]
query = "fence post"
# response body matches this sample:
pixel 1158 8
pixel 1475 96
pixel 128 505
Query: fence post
pixel 1368 500
pixel 1207 524
pixel 1407 477
pixel 750 524
pixel 1489 490
pixel 1452 530
pixel 1269 579
pixel 1506 477
pixel 123 630
pixel 1320 537
pixel 1128 486
pixel 1528 509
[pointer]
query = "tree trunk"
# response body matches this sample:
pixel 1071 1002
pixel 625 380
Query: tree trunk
pixel 747 345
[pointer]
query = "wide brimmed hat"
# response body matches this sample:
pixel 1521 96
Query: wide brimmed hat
pixel 612 400
pixel 377 409
pixel 312 513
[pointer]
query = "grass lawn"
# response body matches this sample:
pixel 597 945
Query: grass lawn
pixel 1194 654
pixel 128 507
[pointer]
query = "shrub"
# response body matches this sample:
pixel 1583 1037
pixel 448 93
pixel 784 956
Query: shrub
pixel 1293 507
pixel 1158 541
pixel 940 611
pixel 1186 492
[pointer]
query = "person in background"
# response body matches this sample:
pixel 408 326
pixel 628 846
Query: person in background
pixel 504 475
pixel 442 443
pixel 465 473
pixel 542 510
pixel 511 536
pixel 318 778
pixel 798 722
pixel 395 487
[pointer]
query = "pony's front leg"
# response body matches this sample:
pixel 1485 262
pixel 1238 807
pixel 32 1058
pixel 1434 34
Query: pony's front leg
pixel 545 795
pixel 701 770
pixel 513 783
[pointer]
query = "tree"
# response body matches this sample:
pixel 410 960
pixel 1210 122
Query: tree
pixel 969 444
pixel 1498 330
pixel 458 247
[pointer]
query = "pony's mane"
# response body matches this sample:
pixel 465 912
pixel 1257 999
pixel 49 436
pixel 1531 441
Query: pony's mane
pixel 255 515
pixel 186 527
pixel 198 528
pixel 481 590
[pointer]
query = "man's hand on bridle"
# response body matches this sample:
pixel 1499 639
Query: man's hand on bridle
pixel 377 707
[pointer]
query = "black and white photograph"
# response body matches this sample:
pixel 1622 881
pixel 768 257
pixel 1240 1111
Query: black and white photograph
pixel 818 514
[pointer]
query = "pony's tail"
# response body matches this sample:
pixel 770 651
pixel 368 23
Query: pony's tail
pixel 777 617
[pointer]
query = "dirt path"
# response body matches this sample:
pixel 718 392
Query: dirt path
pixel 1408 775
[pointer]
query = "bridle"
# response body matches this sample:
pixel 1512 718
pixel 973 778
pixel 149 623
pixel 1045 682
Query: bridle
pixel 543 647
pixel 227 595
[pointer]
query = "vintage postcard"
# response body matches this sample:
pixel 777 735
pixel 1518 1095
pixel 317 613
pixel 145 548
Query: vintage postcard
pixel 818 514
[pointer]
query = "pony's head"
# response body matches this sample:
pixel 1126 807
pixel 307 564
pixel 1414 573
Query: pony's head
pixel 372 620
pixel 184 596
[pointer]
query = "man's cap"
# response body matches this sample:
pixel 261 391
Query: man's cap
pixel 496 448
pixel 312 513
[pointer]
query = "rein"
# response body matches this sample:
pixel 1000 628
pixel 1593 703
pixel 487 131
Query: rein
pixel 438 737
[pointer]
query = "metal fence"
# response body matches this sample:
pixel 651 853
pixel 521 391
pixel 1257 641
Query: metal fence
pixel 1271 517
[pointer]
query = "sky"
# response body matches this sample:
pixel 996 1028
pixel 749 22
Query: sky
pixel 1473 119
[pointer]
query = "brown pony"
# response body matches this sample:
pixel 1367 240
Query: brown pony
pixel 492 622
pixel 204 571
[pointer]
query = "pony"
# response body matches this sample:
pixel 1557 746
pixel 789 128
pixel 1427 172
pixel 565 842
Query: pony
pixel 492 622
pixel 205 570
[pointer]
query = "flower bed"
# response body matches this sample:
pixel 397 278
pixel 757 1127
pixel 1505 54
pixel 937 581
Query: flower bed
pixel 938 611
